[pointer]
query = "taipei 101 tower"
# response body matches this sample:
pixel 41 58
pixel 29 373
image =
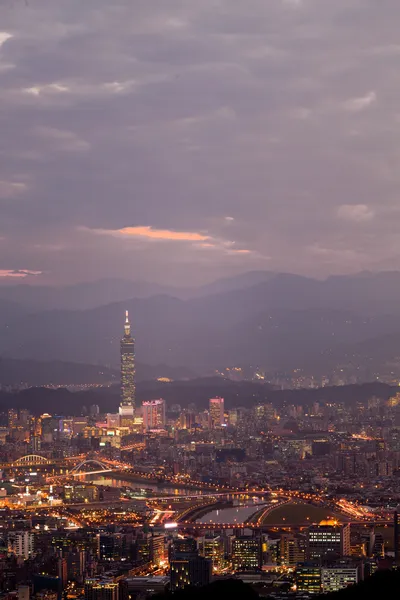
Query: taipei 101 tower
pixel 127 405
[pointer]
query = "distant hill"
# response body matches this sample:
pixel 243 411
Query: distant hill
pixel 199 334
pixel 37 373
pixel 197 391
pixel 10 312
pixel 279 321
pixel 81 296
pixel 229 284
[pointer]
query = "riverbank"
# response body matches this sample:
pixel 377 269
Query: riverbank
pixel 124 476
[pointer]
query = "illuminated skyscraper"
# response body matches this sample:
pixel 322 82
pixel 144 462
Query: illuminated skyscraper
pixel 246 553
pixel 327 540
pixel 153 414
pixel 127 405
pixel 216 411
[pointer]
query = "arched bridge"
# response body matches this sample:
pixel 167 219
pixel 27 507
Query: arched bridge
pixel 81 470
pixel 30 460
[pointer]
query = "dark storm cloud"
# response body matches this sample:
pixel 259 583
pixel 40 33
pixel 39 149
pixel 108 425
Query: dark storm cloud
pixel 183 140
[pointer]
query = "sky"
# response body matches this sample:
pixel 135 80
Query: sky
pixel 179 141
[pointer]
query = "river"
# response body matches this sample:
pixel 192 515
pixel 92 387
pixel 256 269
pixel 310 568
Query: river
pixel 234 514
pixel 140 486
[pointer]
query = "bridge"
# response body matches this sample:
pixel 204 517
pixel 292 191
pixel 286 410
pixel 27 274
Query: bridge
pixel 187 525
pixel 31 460
pixel 102 468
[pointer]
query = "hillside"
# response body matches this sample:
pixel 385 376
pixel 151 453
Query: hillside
pixel 41 373
pixel 283 322
pixel 197 391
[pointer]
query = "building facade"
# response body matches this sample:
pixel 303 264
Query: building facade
pixel 191 571
pixel 328 540
pixel 246 553
pixel 216 412
pixel 128 391
pixel 101 589
pixel 153 414
pixel 21 543
pixel 338 577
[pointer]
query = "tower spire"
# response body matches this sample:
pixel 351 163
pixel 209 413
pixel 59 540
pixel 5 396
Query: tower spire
pixel 127 324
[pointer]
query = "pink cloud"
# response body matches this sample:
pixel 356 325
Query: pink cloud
pixel 18 273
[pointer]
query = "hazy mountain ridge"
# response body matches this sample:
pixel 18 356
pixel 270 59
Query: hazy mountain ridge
pixel 15 372
pixel 81 296
pixel 286 321
pixel 36 373
pixel 86 295
pixel 197 391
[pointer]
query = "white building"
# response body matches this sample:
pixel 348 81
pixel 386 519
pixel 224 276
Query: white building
pixel 21 543
pixel 337 578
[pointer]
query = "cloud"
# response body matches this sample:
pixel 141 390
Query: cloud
pixel 18 273
pixel 37 90
pixel 361 103
pixel 356 213
pixel 293 3
pixel 197 240
pixel 11 189
pixel 235 140
pixel 67 141
pixel 4 37
pixel 149 233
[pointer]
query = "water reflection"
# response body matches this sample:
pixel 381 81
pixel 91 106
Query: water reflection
pixel 142 488
pixel 235 514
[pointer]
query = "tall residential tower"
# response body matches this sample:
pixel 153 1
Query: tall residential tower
pixel 127 405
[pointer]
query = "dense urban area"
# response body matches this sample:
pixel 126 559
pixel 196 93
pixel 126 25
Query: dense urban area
pixel 294 500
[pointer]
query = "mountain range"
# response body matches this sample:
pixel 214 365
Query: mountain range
pixel 184 393
pixel 33 372
pixel 282 321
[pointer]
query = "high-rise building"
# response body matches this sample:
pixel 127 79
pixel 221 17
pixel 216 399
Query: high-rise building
pixel 76 562
pixel 21 543
pixel 157 549
pixel 112 546
pixel 246 553
pixel 212 547
pixel 12 418
pixel 101 589
pixel 62 571
pixel 291 550
pixel 187 419
pixel 153 414
pixel 308 579
pixel 338 577
pixel 127 405
pixel 182 547
pixel 327 540
pixel 216 411
pixel 190 571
